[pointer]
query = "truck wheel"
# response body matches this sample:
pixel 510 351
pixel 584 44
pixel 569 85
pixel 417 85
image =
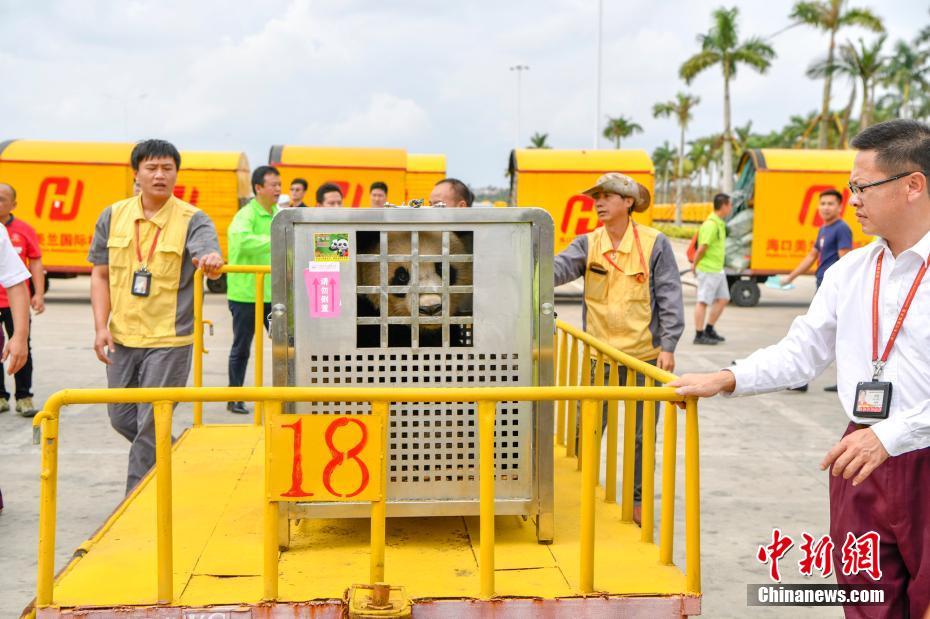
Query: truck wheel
pixel 218 286
pixel 744 293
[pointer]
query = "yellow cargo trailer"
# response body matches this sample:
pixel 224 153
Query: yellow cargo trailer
pixel 552 179
pixel 353 169
pixel 776 197
pixel 63 186
pixel 423 172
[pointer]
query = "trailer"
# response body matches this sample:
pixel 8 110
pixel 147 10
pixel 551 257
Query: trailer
pixel 775 219
pixel 352 169
pixel 62 187
pixel 553 179
pixel 423 172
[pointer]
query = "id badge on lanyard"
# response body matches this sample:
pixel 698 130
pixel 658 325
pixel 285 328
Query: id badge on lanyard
pixel 142 278
pixel 873 398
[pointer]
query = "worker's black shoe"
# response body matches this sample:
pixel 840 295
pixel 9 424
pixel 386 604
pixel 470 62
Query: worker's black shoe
pixel 237 408
pixel 802 388
pixel 705 340
pixel 831 388
pixel 710 332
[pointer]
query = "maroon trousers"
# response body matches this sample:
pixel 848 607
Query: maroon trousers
pixel 894 501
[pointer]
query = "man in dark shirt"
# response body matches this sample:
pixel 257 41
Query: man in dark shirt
pixel 834 240
pixel 298 189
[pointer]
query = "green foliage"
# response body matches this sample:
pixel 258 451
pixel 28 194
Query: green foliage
pixel 680 108
pixel 721 45
pixel 684 231
pixel 619 128
pixel 539 140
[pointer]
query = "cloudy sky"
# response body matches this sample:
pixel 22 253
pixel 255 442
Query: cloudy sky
pixel 415 74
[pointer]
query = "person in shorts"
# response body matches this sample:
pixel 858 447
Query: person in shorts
pixel 708 268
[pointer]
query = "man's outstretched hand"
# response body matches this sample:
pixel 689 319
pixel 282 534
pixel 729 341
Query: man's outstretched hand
pixel 703 385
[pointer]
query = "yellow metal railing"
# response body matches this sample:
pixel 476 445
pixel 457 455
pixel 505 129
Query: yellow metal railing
pixel 567 362
pixel 200 350
pixel 486 399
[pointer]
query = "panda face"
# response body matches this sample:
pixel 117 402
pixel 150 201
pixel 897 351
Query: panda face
pixel 429 275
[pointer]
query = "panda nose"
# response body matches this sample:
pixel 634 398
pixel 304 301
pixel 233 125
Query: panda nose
pixel 431 310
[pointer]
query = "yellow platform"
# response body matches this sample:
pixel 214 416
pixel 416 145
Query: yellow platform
pixel 218 475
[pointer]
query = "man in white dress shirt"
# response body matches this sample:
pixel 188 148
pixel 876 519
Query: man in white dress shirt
pixel 870 316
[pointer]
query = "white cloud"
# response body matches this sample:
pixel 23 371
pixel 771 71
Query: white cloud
pixel 387 121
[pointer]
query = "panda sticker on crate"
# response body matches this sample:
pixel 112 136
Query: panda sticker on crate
pixel 340 247
pixel 423 298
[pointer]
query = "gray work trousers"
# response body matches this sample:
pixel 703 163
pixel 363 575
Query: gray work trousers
pixel 638 458
pixel 143 367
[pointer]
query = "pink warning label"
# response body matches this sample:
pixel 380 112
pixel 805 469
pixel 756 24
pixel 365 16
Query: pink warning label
pixel 323 290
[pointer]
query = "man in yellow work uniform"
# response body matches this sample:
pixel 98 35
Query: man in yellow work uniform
pixel 632 287
pixel 145 251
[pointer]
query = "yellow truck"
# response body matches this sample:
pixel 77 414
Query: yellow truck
pixel 352 169
pixel 552 179
pixel 423 172
pixel 63 186
pixel 775 218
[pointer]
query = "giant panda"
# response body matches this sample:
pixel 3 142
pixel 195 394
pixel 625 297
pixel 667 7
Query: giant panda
pixel 403 304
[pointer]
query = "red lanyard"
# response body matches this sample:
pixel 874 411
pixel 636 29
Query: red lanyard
pixel 879 364
pixel 640 277
pixel 151 249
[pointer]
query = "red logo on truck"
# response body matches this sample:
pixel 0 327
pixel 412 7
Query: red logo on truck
pixel 180 192
pixel 63 203
pixel 812 198
pixel 579 216
pixel 352 193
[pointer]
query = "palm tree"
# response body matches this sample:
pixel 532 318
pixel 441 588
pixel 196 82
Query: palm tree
pixel 864 63
pixel 700 158
pixel 793 132
pixel 907 70
pixel 721 45
pixel 830 16
pixel 714 144
pixel 869 64
pixel 662 158
pixel 538 140
pixel 680 108
pixel 743 135
pixel 620 127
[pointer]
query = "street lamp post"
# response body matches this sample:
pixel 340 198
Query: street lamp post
pixel 519 68
pixel 597 96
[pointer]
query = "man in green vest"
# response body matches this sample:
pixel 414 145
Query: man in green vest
pixel 249 238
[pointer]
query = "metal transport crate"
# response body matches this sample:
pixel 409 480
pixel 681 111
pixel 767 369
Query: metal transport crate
pixel 424 297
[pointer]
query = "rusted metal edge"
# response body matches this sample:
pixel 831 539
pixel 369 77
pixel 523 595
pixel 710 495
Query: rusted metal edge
pixel 632 606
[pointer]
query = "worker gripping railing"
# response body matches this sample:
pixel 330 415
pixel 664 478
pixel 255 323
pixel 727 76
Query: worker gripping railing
pixel 567 344
pixel 260 271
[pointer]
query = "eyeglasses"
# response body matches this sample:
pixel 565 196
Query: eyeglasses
pixel 857 189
